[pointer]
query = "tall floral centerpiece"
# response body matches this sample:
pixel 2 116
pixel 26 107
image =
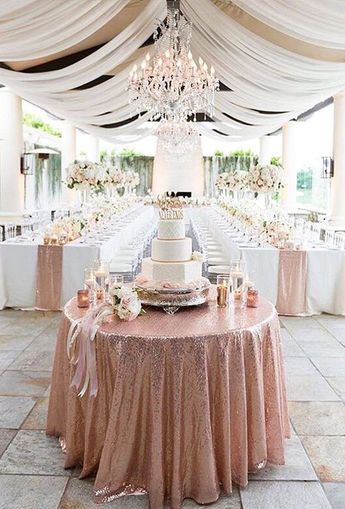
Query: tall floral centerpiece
pixel 233 181
pixel 114 180
pixel 85 176
pixel 131 181
pixel 265 180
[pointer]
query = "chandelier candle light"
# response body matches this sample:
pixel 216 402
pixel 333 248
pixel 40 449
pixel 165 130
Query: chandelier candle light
pixel 171 86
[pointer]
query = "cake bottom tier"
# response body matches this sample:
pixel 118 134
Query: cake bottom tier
pixel 175 272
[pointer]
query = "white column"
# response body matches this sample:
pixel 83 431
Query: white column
pixel 265 150
pixel 93 149
pixel 68 155
pixel 290 160
pixel 337 213
pixel 11 148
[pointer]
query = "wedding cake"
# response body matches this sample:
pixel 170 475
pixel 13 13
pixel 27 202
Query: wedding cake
pixel 171 252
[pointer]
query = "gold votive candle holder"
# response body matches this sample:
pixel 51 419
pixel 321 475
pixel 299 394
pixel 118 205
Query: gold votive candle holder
pixel 83 298
pixel 224 290
pixel 46 240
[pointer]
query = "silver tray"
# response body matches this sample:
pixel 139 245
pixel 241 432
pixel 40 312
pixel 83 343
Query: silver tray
pixel 173 301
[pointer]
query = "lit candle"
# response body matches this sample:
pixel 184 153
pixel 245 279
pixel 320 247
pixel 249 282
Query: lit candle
pixel 252 298
pixel 83 298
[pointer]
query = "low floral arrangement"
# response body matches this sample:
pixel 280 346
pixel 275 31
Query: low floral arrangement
pixel 97 213
pixel 125 302
pixel 265 179
pixel 277 231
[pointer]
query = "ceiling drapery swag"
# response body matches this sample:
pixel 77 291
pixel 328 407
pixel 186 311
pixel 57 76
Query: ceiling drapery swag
pixel 265 80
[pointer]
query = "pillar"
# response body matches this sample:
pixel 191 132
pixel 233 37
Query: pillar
pixel 93 149
pixel 265 150
pixel 337 209
pixel 11 148
pixel 290 160
pixel 68 155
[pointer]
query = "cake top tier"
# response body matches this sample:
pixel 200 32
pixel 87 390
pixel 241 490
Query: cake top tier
pixel 171 229
pixel 170 213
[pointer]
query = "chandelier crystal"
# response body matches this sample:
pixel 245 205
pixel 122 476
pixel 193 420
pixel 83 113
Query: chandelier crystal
pixel 170 84
pixel 177 137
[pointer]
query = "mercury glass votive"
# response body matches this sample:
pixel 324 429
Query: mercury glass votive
pixel 83 298
pixel 252 298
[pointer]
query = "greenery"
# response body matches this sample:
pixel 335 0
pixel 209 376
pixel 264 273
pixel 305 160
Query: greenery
pixel 32 121
pixel 218 153
pixel 276 161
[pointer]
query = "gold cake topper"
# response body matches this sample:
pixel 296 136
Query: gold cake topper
pixel 171 213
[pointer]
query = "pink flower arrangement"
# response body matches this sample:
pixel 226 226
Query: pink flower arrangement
pixel 125 302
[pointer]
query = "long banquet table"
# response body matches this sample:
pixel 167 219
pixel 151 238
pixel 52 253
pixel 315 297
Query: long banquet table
pixel 186 404
pixel 18 263
pixel 324 285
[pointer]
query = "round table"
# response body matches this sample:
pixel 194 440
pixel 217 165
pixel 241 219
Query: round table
pixel 186 404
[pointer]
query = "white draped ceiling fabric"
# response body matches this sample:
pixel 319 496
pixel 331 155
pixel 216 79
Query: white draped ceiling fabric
pixel 275 59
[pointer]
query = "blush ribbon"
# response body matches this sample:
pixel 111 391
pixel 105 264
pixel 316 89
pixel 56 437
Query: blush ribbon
pixel 84 355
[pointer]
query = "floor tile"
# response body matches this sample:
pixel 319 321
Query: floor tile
pixel 330 366
pixel 336 494
pixel 6 435
pixel 14 342
pixel 7 357
pixel 32 452
pixel 45 341
pixel 290 347
pixel 38 416
pixel 311 334
pixel 318 418
pixel 297 465
pixel 31 492
pixel 299 366
pixel 26 327
pixel 326 348
pixel 296 322
pixel 327 456
pixel 79 495
pixel 224 502
pixel 338 384
pixel 33 360
pixel 284 495
pixel 13 410
pixel 309 388
pixel 24 383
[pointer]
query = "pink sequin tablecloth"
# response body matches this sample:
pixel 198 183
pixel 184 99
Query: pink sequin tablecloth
pixel 186 404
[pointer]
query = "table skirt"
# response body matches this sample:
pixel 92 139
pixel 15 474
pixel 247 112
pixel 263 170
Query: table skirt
pixel 176 416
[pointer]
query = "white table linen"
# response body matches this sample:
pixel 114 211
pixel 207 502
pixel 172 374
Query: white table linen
pixel 18 263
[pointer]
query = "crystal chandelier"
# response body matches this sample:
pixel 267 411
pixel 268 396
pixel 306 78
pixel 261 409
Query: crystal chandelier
pixel 169 84
pixel 177 137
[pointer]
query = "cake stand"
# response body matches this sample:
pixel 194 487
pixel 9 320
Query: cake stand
pixel 172 299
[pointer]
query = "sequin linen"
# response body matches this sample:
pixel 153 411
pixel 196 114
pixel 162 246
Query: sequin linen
pixel 292 283
pixel 186 404
pixel 49 278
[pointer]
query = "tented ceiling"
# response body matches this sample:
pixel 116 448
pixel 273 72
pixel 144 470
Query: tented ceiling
pixel 275 59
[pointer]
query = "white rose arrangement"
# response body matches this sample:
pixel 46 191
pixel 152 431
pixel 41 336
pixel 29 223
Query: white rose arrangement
pixel 265 179
pixel 115 176
pixel 82 174
pixel 125 302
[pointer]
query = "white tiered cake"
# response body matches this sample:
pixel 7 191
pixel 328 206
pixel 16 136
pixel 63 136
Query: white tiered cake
pixel 171 254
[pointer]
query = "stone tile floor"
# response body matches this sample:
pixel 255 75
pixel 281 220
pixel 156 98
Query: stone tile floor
pixel 31 464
